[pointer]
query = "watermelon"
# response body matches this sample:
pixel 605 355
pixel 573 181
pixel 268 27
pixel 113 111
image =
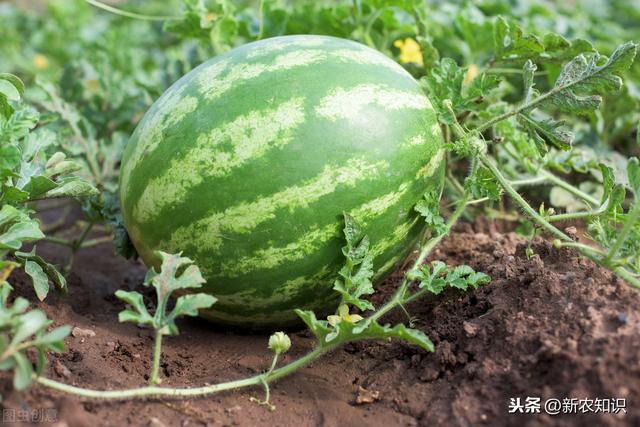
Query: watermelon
pixel 247 163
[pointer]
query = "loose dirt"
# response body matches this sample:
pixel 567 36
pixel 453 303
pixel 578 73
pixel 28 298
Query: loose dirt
pixel 550 326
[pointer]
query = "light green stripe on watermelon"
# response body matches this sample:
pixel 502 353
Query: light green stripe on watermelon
pixel 279 44
pixel 272 257
pixel 212 89
pixel 432 166
pixel 240 73
pixel 389 264
pixel 416 140
pixel 396 237
pixel 291 289
pixel 255 133
pixel 349 103
pixel 363 214
pixel 312 240
pixel 211 73
pixel 246 216
pixel 171 109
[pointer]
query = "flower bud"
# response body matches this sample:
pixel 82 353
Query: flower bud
pixel 279 342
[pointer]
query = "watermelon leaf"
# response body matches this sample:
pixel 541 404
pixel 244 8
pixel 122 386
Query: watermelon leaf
pixel 17 228
pixel 50 271
pixel 435 277
pixel 429 208
pixel 354 279
pixel 177 273
pixel 329 335
pixel 578 90
pixel 633 175
pixel 25 330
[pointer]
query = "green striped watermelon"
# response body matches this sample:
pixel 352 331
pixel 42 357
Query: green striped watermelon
pixel 247 163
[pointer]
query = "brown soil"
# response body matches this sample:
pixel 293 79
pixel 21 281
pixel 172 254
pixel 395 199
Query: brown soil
pixel 553 326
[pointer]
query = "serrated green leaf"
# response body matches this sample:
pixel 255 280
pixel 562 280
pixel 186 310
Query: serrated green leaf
pixel 482 183
pixel 354 281
pixel 19 124
pixel 439 276
pixel 72 187
pixel 581 82
pixel 450 82
pixel 14 195
pixel 9 159
pixel 429 208
pixel 546 131
pixel 352 230
pixel 328 335
pixel 62 168
pixel 510 41
pixel 169 279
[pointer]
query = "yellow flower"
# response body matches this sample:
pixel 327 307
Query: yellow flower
pixel 92 85
pixel 40 61
pixel 472 72
pixel 5 272
pixel 343 315
pixel 409 51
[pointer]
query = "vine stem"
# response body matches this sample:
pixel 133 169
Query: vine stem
pixel 399 297
pixel 570 188
pixel 157 351
pixel 620 271
pixel 261 25
pixel 632 219
pixel 580 245
pixel 155 391
pixel 133 15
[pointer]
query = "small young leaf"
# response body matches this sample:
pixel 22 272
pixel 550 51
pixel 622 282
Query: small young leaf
pixel 39 278
pixel 23 374
pixel 73 187
pixel 56 335
pixel 483 184
pixel 529 70
pixel 188 305
pixel 29 323
pixel 139 314
pixel 8 90
pixel 546 131
pixel 17 228
pixel 633 174
pixel 50 270
pixel 355 277
pixel 15 82
pixel 429 208
pixel 510 41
